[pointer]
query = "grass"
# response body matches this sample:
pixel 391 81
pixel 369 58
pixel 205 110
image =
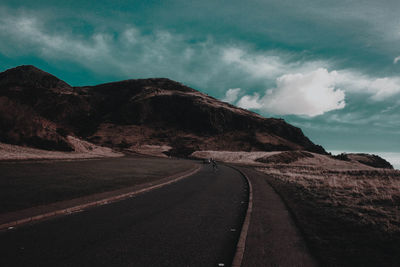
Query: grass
pixel 350 218
pixel 28 184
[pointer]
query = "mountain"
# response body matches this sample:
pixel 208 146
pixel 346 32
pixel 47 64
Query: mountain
pixel 38 109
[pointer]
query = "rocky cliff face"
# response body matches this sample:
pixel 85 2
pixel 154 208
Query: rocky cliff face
pixel 133 113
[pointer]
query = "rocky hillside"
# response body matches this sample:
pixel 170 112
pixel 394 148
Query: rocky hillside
pixel 37 109
pixel 366 159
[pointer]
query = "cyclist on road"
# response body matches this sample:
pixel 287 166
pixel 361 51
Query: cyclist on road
pixel 214 164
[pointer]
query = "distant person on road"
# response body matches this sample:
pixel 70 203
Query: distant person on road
pixel 214 164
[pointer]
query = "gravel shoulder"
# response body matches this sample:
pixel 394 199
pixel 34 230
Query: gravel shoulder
pixel 273 239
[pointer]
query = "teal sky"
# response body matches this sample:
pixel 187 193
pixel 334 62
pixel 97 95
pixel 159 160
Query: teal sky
pixel 332 69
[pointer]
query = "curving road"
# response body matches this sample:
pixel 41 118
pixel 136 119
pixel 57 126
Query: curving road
pixel 194 222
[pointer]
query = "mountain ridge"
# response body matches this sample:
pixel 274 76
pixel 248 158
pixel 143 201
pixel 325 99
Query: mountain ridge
pixel 133 113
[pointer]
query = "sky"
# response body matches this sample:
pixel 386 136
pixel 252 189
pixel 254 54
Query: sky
pixel 331 68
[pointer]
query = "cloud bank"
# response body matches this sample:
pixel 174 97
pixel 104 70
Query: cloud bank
pixel 308 94
pixel 117 51
pixel 320 91
pixel 231 95
pixel 290 85
pixel 303 88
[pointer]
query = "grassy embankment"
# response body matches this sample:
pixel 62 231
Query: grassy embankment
pixel 28 184
pixel 350 218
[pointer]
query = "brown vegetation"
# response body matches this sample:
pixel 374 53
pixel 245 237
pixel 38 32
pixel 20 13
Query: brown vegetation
pixel 366 159
pixel 351 218
pixel 285 157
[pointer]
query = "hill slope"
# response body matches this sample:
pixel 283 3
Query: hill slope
pixel 131 114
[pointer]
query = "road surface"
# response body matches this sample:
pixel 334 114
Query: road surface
pixel 273 238
pixel 194 222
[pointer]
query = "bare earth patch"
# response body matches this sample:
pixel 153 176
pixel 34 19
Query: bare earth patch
pixel 152 150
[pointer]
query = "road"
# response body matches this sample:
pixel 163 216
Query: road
pixel 273 238
pixel 194 222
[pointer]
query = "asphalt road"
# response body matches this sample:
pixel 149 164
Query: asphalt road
pixel 194 222
pixel 24 184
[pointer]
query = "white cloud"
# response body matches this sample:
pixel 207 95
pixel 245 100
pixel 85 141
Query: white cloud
pixel 396 59
pixel 310 94
pixel 267 64
pixel 231 95
pixel 131 35
pixel 379 89
pixel 256 65
pixel 385 88
pixel 30 32
pixel 250 102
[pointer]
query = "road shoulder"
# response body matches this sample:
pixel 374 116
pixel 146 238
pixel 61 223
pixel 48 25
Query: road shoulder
pixel 273 238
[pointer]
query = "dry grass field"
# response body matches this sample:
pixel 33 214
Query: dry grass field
pixel 350 217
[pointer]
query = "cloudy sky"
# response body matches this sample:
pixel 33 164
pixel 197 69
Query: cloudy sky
pixel 332 69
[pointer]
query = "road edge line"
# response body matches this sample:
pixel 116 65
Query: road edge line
pixel 241 245
pixel 96 203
